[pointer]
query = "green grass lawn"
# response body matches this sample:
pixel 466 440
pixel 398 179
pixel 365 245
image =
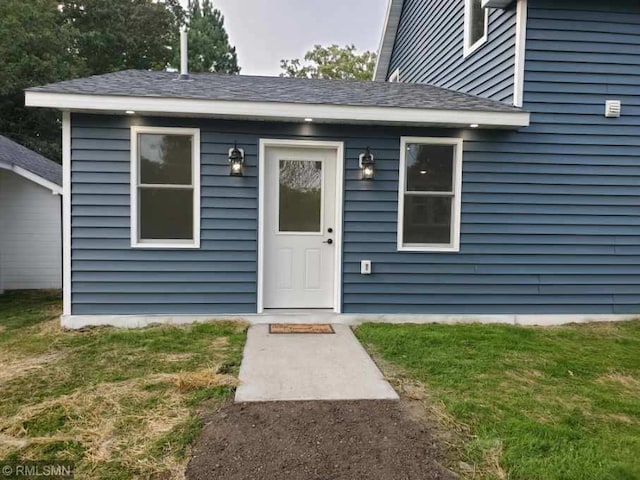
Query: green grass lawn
pixel 120 404
pixel 536 403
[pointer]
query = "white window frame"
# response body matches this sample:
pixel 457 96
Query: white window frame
pixel 395 76
pixel 136 242
pixel 469 48
pixel 456 202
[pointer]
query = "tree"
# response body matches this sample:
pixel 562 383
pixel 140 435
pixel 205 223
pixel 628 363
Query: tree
pixel 333 62
pixel 45 41
pixel 114 35
pixel 209 48
pixel 34 48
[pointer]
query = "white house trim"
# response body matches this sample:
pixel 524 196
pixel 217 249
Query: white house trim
pixel 521 48
pixel 339 146
pixel 469 48
pixel 37 179
pixel 195 172
pixel 454 246
pixel 391 23
pixel 140 321
pixel 66 213
pixel 395 76
pixel 274 111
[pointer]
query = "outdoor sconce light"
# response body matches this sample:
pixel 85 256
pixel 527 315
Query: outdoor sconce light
pixel 367 165
pixel 236 161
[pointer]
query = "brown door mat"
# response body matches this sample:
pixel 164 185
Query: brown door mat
pixel 300 328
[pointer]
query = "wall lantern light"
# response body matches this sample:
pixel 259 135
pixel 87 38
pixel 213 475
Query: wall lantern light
pixel 367 165
pixel 236 161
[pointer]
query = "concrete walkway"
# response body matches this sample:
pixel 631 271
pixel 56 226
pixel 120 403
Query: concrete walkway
pixel 308 367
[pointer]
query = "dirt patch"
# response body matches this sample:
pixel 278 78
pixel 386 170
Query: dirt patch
pixel 620 418
pixel 51 327
pixel 417 397
pixel 447 432
pixel 626 382
pixel 13 367
pixel 220 343
pixel 207 378
pixel 177 357
pixel 316 440
pixel 527 377
pixel 605 329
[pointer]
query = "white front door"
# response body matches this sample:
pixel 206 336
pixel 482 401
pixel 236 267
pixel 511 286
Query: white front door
pixel 299 227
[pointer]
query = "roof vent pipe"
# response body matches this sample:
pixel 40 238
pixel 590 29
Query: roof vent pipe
pixel 184 40
pixel 184 53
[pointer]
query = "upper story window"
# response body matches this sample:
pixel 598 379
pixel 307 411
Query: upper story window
pixel 429 194
pixel 476 26
pixel 165 187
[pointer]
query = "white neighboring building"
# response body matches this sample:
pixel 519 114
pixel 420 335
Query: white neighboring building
pixel 30 219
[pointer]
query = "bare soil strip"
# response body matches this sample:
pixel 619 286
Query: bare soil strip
pixel 373 440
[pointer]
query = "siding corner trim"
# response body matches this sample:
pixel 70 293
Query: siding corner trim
pixel 521 47
pixel 66 213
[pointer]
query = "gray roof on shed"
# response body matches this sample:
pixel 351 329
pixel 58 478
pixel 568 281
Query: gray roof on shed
pixel 210 86
pixel 15 154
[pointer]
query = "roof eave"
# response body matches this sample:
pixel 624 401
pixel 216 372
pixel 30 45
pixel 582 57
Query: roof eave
pixel 33 177
pixel 276 111
pixel 385 50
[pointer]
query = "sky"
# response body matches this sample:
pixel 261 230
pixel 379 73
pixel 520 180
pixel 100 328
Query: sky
pixel 266 31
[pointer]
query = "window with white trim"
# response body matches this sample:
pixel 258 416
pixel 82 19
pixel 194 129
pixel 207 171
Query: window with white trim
pixel 165 187
pixel 429 194
pixel 476 25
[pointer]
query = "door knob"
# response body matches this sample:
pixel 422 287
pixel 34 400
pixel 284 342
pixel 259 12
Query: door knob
pixel 328 241
pixel 330 230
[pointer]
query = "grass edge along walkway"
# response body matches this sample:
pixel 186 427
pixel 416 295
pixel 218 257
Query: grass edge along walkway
pixel 538 403
pixel 116 403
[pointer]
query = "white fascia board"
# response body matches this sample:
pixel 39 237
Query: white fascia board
pixel 388 39
pixel 37 179
pixel 275 111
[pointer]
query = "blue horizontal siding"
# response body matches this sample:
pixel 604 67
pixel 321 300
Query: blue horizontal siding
pixel 429 49
pixel 550 217
pixel 109 277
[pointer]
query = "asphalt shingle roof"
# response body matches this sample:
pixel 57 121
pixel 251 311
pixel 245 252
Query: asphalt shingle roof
pixel 15 154
pixel 211 86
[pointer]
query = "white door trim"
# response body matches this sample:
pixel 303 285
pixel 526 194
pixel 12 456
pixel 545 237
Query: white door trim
pixel 339 146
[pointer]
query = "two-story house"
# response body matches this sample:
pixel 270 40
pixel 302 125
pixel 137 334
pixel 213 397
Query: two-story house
pixel 490 173
pixel 557 201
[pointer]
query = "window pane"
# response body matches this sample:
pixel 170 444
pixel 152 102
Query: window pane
pixel 429 168
pixel 166 213
pixel 427 219
pixel 300 196
pixel 477 21
pixel 165 159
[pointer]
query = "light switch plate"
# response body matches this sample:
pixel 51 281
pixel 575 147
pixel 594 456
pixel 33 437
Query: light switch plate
pixel 365 267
